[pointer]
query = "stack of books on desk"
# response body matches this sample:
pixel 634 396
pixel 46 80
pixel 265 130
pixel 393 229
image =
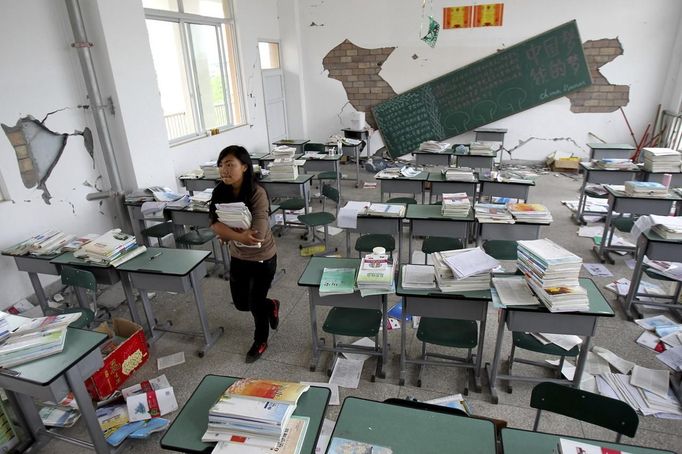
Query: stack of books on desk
pixel 113 249
pixel 614 164
pixel 201 199
pixel 235 215
pixel 253 414
pixel 668 227
pixel 480 149
pixel 210 170
pixel 493 213
pixel 459 174
pixel 283 169
pixel 661 160
pixel 434 146
pixel 455 205
pixel 337 281
pixel 645 188
pixel 375 275
pixel 552 272
pixel 385 210
pixel 388 173
pixel 418 277
pixel 447 280
pixel 47 243
pixel 530 212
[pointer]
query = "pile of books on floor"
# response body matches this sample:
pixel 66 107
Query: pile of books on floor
pixel 645 188
pixel 47 243
pixel 661 160
pixel 434 146
pixel 552 272
pixel 375 275
pixel 201 199
pixel 111 249
pixel 614 164
pixel 386 210
pixel 283 167
pixel 480 149
pixel 463 270
pixel 418 277
pixel 26 339
pixel 459 174
pixel 210 170
pixel 530 212
pixel 235 215
pixel 668 227
pixel 493 213
pixel 455 205
pixel 253 415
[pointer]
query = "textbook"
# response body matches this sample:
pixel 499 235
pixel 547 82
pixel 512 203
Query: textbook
pixel 337 281
pixel 530 212
pixel 384 209
pixel 268 390
pixel 566 446
pixel 455 205
pixel 645 188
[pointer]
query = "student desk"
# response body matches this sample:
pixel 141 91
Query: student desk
pixel 294 143
pixel 434 158
pixel 329 163
pixel 490 134
pixel 513 232
pixel 184 434
pixel 199 184
pixel 622 203
pixel 538 319
pixel 658 177
pixel 34 265
pixel 299 187
pixel 595 175
pixel 426 220
pixel 362 136
pixel 654 247
pixel 409 430
pixel 610 150
pixel 490 187
pixel 52 377
pixel 390 225
pixel 436 304
pixel 475 161
pixel 519 441
pixel 311 278
pixel 403 185
pixel 440 186
pixel 170 270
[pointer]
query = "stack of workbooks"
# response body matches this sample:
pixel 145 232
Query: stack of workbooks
pixel 459 174
pixel 447 280
pixel 254 414
pixel 418 277
pixel 201 199
pixel 552 272
pixel 614 164
pixel 235 215
pixel 210 170
pixel 337 281
pixel 516 176
pixel 27 339
pixel 113 249
pixel 668 227
pixel 283 167
pixel 493 213
pixel 530 212
pixel 455 205
pixel 48 243
pixel 434 146
pixel 480 149
pixel 375 274
pixel 385 210
pixel 645 188
pixel 661 160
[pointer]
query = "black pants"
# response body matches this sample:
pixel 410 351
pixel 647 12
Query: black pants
pixel 249 285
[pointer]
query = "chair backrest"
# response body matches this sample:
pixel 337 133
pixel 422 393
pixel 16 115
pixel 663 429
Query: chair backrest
pixel 312 146
pixel 593 408
pixel 78 278
pixel 330 193
pixel 405 200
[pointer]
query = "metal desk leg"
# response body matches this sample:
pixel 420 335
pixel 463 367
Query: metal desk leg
pixel 492 370
pixel 403 341
pixel 357 165
pixel 210 338
pixel 602 252
pixel 347 243
pixel 337 169
pixel 40 292
pixel 400 238
pixel 26 409
pixel 479 353
pixel 313 330
pixel 130 298
pixel 384 338
pixel 305 189
pixel 151 320
pixel 409 246
pixel 580 365
pixel 582 201
pixel 636 277
pixel 75 380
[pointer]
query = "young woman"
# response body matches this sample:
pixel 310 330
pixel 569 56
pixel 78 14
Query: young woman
pixel 252 267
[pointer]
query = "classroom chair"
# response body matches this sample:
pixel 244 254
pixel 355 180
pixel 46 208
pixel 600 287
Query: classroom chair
pixel 81 281
pixel 501 249
pixel 321 218
pixel 433 244
pixel 322 177
pixel 200 236
pixel 585 406
pixel 357 323
pixel 403 200
pixel 292 204
pixel 367 243
pixel 158 231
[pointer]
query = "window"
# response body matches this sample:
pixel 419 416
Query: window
pixel 195 57
pixel 269 55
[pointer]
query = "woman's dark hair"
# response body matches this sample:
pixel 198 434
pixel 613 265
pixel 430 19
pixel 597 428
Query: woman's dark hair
pixel 249 183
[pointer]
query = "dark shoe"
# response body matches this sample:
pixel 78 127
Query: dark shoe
pixel 274 314
pixel 255 352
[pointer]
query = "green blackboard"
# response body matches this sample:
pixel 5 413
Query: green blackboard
pixel 535 71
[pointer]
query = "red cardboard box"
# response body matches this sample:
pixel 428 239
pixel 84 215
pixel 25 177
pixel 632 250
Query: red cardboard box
pixel 125 359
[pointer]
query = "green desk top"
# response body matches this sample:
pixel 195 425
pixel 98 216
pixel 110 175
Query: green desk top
pixel 436 293
pixel 422 176
pixel 488 179
pixel 313 270
pixel 449 151
pixel 299 180
pixel 438 176
pixel 419 211
pixel 291 142
pixel 671 195
pixel 68 258
pixel 598 304
pixel 518 441
pixel 185 432
pixel 611 146
pixel 44 371
pixel 409 430
pixel 174 262
pixel 653 236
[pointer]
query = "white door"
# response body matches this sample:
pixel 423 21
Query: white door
pixel 273 90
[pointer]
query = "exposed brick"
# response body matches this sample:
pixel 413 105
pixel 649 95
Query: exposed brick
pixel 346 59
pixel 363 90
pixel 352 52
pixel 351 78
pixel 378 51
pixel 358 84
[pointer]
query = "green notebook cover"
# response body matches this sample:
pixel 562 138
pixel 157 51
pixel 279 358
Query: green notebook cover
pixel 337 281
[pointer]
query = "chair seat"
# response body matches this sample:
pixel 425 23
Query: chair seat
pixel 292 204
pixel 501 249
pixel 433 244
pixel 404 200
pixel 328 175
pixel 448 332
pixel 595 194
pixel 159 230
pixel 528 342
pixel 366 243
pixel 196 237
pixel 355 322
pixel 623 224
pixel 315 219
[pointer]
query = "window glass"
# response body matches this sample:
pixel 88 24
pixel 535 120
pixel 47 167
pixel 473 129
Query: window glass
pixel 269 55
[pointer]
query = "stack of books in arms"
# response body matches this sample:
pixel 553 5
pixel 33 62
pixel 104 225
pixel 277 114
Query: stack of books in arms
pixel 455 205
pixel 337 281
pixel 552 272
pixel 645 188
pixel 111 249
pixel 210 169
pixel 434 146
pixel 26 339
pixel 386 210
pixel 493 213
pixel 661 160
pixel 283 167
pixel 418 277
pixel 480 149
pixel 530 212
pixel 459 174
pixel 456 275
pixel 47 243
pixel 614 164
pixel 375 275
pixel 235 215
pixel 255 415
pixel 668 227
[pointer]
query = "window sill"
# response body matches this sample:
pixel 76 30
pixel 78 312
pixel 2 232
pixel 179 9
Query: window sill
pixel 187 140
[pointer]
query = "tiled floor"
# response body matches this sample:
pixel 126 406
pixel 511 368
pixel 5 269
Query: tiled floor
pixel 289 351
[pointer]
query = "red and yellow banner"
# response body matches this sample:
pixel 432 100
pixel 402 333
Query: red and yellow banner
pixel 489 15
pixel 457 17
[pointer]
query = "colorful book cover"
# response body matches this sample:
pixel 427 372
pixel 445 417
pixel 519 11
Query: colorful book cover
pixel 279 391
pixel 527 207
pixel 337 281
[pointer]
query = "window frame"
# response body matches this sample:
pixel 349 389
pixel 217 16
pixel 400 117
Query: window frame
pixel 221 27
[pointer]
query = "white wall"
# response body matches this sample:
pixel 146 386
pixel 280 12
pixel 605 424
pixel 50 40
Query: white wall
pixel 646 34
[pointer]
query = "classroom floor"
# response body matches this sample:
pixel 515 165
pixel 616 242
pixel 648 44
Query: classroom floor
pixel 289 350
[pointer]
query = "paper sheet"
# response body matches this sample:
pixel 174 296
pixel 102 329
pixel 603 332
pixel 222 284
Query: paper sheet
pixel 597 269
pixel 348 215
pixel 671 358
pixel 590 231
pixel 648 339
pixel 347 373
pixel 364 342
pixel 623 366
pixel 565 341
pixel 596 365
pixel 514 291
pixel 171 360
pixel 334 398
pixel 653 380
